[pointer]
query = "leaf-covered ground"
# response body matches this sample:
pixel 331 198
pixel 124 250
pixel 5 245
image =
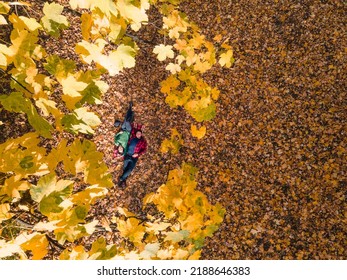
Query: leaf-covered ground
pixel 275 155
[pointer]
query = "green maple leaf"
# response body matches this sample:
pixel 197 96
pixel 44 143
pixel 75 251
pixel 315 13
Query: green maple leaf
pixel 177 236
pixel 50 204
pixel 53 21
pixel 59 67
pixel 201 110
pixel 178 98
pixel 101 251
pixel 16 102
pixel 173 144
pixel 47 185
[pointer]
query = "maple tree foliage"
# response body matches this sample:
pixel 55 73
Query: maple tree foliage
pixel 42 203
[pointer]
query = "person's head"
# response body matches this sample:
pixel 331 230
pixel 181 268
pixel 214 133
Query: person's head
pixel 120 149
pixel 138 134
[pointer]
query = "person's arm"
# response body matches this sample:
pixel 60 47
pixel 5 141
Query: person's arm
pixel 115 152
pixel 116 138
pixel 142 147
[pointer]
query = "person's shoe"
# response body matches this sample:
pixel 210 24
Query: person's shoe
pixel 122 184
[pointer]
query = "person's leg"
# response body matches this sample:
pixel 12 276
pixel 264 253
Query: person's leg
pixel 129 165
pixel 129 117
pixel 126 126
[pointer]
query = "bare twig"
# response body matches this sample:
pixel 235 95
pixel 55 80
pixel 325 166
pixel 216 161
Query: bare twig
pixel 55 243
pixel 14 79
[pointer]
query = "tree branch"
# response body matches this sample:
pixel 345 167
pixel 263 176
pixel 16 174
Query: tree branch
pixel 55 242
pixel 16 81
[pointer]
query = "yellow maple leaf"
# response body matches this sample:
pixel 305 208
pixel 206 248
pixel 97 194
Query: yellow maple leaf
pixel 196 104
pixel 107 7
pixel 190 55
pixel 198 133
pixel 53 20
pixel 156 227
pixel 180 44
pixel 201 65
pixel 150 251
pixel 173 144
pixel 175 32
pixel 76 253
pixel 89 120
pixel 163 52
pixel 86 25
pixel 218 38
pixel 3 21
pixel 4 7
pixel 215 93
pixel 37 245
pixel 47 185
pixel 180 254
pixel 91 52
pixel 72 90
pixel 48 107
pixel 175 21
pixel 195 256
pixel 180 59
pixel 169 84
pixel 192 223
pixel 46 226
pixel 197 41
pixel 164 254
pixel 30 23
pixel 83 4
pixel 226 59
pixel 134 14
pixel 4 212
pixel 173 68
pixel 132 229
pixel 89 195
pixel 13 186
pixel 123 57
pixel 5 52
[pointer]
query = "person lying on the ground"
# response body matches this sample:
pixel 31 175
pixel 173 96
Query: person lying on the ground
pixel 137 146
pixel 121 142
pixel 121 139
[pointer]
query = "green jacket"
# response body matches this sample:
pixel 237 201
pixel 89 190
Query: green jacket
pixel 122 138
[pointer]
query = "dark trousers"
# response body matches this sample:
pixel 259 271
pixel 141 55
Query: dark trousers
pixel 129 118
pixel 128 167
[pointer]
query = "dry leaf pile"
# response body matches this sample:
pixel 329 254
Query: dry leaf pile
pixel 275 155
